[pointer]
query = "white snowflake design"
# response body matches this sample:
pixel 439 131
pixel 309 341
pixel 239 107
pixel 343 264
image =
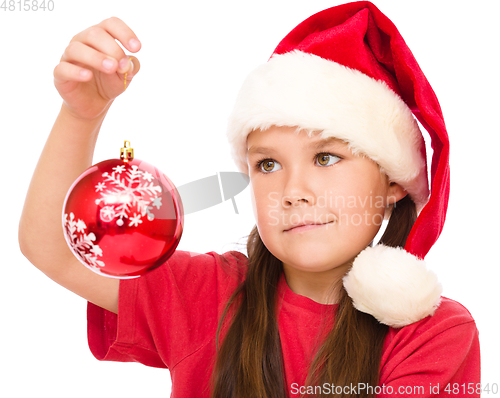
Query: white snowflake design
pixel 81 242
pixel 130 195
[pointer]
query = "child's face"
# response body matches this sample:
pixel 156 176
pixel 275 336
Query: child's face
pixel 341 196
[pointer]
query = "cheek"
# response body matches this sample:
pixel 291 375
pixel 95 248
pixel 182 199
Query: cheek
pixel 360 203
pixel 254 202
pixel 268 217
pixel 371 189
pixel 265 205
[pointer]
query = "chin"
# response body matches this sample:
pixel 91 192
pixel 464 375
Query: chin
pixel 316 263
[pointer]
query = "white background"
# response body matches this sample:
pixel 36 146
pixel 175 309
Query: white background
pixel 194 58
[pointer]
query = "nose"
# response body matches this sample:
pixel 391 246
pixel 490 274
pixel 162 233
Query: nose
pixel 298 190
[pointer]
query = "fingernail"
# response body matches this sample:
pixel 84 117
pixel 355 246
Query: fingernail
pixel 107 64
pixel 84 73
pixel 134 44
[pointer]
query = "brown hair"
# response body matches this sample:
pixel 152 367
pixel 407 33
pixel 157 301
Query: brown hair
pixel 249 361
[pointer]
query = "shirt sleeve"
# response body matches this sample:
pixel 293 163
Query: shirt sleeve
pixel 168 313
pixel 436 357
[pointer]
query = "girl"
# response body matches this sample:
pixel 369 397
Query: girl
pixel 326 133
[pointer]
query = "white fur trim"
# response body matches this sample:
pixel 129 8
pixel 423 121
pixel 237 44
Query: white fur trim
pixel 304 90
pixel 393 286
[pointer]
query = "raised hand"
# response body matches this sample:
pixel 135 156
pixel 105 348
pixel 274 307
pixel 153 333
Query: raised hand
pixel 91 72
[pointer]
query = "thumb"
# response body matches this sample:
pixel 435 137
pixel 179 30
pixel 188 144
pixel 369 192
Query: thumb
pixel 133 68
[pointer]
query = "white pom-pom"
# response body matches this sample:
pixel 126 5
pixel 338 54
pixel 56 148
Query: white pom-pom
pixel 393 286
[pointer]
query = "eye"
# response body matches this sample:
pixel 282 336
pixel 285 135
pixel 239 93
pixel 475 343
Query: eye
pixel 268 166
pixel 327 159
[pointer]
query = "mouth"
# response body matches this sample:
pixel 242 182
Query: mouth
pixel 306 227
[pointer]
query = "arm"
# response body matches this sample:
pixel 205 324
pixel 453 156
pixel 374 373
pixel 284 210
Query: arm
pixel 88 87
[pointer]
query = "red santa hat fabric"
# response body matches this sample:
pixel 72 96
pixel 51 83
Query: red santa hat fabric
pixel 346 72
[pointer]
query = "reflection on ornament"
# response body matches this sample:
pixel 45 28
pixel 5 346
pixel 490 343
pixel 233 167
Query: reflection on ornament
pixel 122 217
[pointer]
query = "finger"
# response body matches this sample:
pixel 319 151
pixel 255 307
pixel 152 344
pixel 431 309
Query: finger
pixel 66 71
pixel 100 40
pixel 80 53
pixel 121 32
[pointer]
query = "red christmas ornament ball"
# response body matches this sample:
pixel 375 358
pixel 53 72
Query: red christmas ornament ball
pixel 122 218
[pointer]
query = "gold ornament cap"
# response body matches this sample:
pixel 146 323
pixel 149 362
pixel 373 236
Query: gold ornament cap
pixel 127 153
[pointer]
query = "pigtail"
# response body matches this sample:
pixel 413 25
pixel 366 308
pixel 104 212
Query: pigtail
pixel 249 361
pixel 403 216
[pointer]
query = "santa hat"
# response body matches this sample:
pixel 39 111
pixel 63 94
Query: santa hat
pixel 347 73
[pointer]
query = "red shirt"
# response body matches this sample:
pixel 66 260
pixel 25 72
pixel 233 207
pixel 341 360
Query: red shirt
pixel 168 318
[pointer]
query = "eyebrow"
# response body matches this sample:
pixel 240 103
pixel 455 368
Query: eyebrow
pixel 317 146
